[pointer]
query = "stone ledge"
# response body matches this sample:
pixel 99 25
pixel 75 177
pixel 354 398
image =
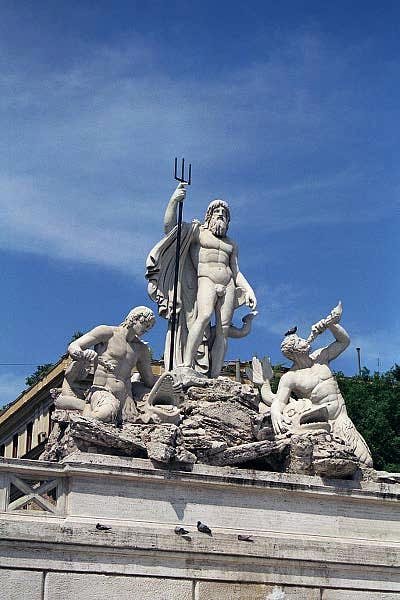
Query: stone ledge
pixel 101 464
pixel 137 537
pixel 307 532
pixel 90 465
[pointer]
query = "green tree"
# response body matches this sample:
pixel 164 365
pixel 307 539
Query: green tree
pixel 41 371
pixel 373 404
pixel 395 371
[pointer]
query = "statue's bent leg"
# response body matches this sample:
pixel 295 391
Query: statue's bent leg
pixel 69 402
pixel 128 411
pixel 104 406
pixel 225 307
pixel 206 297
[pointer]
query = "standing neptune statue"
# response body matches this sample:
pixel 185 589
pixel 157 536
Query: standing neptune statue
pixel 209 283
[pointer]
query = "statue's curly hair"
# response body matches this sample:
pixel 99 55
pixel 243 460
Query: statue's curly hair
pixel 288 345
pixel 141 314
pixel 212 206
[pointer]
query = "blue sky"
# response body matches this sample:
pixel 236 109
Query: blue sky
pixel 289 110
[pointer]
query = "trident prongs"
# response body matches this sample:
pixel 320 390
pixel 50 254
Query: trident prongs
pixel 177 257
pixel 182 177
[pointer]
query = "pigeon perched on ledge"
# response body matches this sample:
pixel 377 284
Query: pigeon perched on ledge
pixel 180 530
pixel 203 528
pixel 101 527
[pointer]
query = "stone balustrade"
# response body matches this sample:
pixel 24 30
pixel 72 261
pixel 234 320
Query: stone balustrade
pixel 310 538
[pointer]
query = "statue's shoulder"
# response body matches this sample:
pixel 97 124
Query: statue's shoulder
pixel 187 228
pixel 320 356
pixel 104 330
pixel 287 378
pixel 142 350
pixel 141 345
pixel 195 227
pixel 231 242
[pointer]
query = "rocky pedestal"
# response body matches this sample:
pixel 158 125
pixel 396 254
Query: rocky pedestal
pixel 218 424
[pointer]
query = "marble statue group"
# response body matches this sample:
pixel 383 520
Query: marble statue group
pixel 191 413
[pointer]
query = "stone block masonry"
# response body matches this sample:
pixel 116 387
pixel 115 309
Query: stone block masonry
pixel 311 538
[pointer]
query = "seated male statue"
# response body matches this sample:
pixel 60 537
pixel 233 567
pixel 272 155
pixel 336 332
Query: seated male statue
pixel 210 283
pixel 310 377
pixel 117 351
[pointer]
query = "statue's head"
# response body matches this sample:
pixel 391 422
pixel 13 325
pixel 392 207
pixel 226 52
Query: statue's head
pixel 141 319
pixel 217 217
pixel 293 345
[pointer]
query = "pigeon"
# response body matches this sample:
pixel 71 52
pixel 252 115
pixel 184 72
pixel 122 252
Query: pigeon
pixel 203 528
pixel 245 538
pixel 180 531
pixel 101 527
pixel 291 331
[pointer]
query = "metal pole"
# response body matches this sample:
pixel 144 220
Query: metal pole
pixel 177 257
pixel 176 277
pixel 359 361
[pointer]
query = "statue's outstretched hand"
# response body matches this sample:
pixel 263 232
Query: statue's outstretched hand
pixel 332 319
pixel 251 300
pixel 277 419
pixel 77 353
pixel 89 354
pixel 180 192
pixel 249 317
pixel 319 327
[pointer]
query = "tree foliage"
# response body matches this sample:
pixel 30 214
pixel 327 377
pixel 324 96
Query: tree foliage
pixel 373 404
pixel 41 371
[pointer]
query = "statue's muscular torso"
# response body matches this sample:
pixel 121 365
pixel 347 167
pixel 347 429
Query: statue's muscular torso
pixel 213 256
pixel 318 384
pixel 116 359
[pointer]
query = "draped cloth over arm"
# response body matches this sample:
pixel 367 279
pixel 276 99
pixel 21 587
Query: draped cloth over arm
pixel 160 270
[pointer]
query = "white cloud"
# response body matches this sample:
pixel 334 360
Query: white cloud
pixel 32 223
pixel 85 130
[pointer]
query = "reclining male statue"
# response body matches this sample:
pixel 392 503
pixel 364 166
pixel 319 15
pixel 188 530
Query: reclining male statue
pixel 117 350
pixel 312 380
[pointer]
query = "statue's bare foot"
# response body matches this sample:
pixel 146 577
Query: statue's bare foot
pixel 188 377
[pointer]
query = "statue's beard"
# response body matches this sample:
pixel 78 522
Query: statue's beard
pixel 218 226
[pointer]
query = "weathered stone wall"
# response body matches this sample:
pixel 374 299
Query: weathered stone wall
pixel 311 539
pixel 31 585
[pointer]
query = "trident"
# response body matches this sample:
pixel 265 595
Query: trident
pixel 177 256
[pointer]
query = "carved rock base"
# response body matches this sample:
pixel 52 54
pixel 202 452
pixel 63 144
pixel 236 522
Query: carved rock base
pixel 219 425
pixel 319 454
